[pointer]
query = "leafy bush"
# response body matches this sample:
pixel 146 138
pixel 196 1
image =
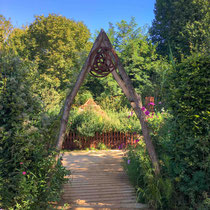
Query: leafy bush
pixel 187 93
pixel 82 97
pixel 101 146
pixel 153 190
pixel 181 139
pixel 29 177
pixel 88 122
pixel 113 103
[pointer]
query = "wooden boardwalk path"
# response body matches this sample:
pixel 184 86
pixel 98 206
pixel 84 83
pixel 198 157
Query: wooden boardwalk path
pixel 98 181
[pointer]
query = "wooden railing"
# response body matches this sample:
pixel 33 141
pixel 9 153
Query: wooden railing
pixel 113 140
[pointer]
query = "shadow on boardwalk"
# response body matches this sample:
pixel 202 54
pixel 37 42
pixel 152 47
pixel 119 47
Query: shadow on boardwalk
pixel 97 182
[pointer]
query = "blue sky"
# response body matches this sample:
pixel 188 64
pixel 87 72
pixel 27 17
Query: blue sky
pixel 95 14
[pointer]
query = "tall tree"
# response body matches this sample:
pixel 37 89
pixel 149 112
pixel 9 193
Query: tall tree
pixel 139 57
pixel 56 45
pixel 5 30
pixel 181 25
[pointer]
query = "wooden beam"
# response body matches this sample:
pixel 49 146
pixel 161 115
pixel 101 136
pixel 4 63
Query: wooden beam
pixel 136 103
pixel 70 98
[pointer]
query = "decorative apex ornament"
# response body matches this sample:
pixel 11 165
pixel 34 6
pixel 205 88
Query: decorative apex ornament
pixel 103 63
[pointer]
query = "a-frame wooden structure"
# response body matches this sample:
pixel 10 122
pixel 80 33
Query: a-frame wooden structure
pixel 102 41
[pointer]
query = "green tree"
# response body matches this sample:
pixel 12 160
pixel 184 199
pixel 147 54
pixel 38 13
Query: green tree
pixel 187 89
pixel 17 42
pixel 139 57
pixel 182 25
pixel 57 45
pixel 5 30
pixel 30 178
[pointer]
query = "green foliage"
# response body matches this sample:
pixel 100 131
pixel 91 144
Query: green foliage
pixel 57 46
pixel 56 43
pixel 182 148
pixel 188 91
pixel 155 191
pixel 89 121
pixel 101 146
pixel 187 95
pixel 115 104
pixel 5 30
pixel 181 138
pixel 183 33
pixel 139 57
pixel 82 97
pixel 156 121
pixel 30 177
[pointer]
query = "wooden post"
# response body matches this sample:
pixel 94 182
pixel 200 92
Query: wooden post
pixel 71 96
pixel 136 102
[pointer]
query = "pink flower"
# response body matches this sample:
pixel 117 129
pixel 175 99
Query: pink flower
pixel 143 108
pixel 131 113
pixel 129 162
pixel 129 116
pixel 151 103
pixel 147 112
pixel 24 173
pixel 137 140
pixel 21 163
pixel 160 102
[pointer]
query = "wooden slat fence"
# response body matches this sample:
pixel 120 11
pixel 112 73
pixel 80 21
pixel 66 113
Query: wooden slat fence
pixel 113 140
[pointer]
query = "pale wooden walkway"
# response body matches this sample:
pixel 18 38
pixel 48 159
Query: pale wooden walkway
pixel 98 181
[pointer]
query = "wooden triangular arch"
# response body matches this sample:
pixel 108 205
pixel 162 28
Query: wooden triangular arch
pixel 102 41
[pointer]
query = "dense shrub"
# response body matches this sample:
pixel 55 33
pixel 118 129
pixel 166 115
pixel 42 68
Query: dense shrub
pixel 181 140
pixel 29 177
pixel 88 122
pixel 157 191
pixel 187 94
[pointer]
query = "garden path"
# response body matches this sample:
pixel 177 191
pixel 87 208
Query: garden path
pixel 98 181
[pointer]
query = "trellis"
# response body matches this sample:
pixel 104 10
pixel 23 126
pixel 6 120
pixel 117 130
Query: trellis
pixel 101 61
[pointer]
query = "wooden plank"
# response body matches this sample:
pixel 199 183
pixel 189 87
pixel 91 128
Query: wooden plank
pixel 94 185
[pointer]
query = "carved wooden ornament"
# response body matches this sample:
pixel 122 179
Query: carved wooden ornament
pixel 103 63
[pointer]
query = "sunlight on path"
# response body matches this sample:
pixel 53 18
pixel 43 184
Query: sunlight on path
pixel 98 181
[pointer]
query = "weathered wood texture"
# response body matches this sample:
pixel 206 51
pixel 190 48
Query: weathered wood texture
pixel 125 83
pixel 113 140
pixel 98 181
pixel 70 98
